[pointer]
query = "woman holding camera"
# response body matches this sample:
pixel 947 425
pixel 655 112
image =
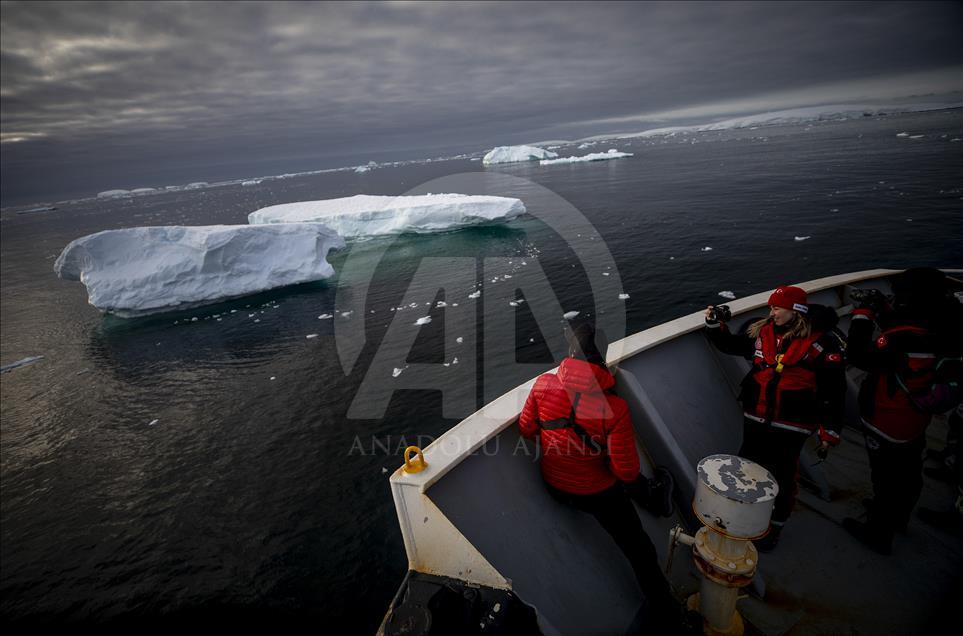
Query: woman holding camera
pixel 796 387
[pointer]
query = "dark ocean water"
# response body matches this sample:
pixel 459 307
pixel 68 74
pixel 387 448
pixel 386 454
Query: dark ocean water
pixel 260 495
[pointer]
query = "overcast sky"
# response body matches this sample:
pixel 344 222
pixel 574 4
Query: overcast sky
pixel 101 95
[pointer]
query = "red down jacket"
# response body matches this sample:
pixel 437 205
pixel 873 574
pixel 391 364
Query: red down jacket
pixel 566 462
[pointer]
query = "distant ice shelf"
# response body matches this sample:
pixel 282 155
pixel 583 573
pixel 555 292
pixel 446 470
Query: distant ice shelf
pixel 516 154
pixel 145 270
pixel 366 215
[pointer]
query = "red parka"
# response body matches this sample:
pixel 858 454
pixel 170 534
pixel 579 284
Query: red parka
pixel 567 464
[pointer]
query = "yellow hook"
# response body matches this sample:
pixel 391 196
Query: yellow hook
pixel 411 467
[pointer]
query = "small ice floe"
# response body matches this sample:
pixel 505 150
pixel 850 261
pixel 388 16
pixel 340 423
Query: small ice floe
pixel 441 304
pixel 727 294
pixel 383 470
pixel 347 314
pixel 257 320
pixel 396 372
pixel 413 305
pixel 234 311
pixel 475 294
pixel 623 296
pixel 954 139
pixel 834 209
pixel 513 303
pixel 531 339
pixel 916 136
pixel 902 134
pixel 506 276
pixel 454 360
pixel 909 220
pixel 454 304
pixel 706 249
pixel 311 335
pixel 524 263
pixel 20 363
pixel 568 315
pixel 605 273
pixel 194 319
pixel 459 340
pixel 424 320
pixel 152 422
pixel 801 238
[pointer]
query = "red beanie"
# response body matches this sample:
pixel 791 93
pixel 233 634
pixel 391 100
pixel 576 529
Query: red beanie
pixel 789 297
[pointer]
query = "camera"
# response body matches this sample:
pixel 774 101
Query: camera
pixel 869 298
pixel 720 313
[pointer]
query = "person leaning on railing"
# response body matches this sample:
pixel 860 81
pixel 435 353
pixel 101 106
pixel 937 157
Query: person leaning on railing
pixel 590 462
pixel 796 387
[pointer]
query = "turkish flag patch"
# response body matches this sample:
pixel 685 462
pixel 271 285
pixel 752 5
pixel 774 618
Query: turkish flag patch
pixel 834 357
pixel 881 342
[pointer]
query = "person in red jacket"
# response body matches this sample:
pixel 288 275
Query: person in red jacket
pixel 913 367
pixel 796 387
pixel 589 460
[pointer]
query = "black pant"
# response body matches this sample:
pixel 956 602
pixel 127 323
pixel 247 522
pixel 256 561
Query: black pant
pixel 614 511
pixel 777 450
pixel 896 470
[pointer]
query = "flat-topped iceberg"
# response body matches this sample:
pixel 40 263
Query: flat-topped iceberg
pixel 515 154
pixel 367 215
pixel 592 156
pixel 144 270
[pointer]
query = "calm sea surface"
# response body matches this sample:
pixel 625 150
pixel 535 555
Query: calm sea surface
pixel 259 494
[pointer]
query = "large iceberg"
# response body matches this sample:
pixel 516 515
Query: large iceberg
pixel 144 270
pixel 515 154
pixel 592 156
pixel 367 215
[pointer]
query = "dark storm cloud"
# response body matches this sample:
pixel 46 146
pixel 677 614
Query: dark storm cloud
pixel 150 84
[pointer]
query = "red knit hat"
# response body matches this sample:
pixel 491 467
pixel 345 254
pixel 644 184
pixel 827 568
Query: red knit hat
pixel 789 297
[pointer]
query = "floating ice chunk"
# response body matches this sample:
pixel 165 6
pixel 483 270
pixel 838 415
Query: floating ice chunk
pixel 311 335
pixel 143 191
pixel 727 294
pixel 111 194
pixel 605 273
pixel 152 422
pixel 459 340
pixel 955 139
pixel 274 377
pixel 347 314
pixel 361 169
pixel 902 134
pixel 424 320
pixel 251 182
pixel 454 360
pixel 196 185
pixel 801 238
pixel 594 156
pixel 513 303
pixel 706 249
pixel 587 144
pixel 396 372
pixel 623 296
pixel 144 270
pixel 475 294
pixel 516 154
pixel 441 304
pixel 568 315
pixel 916 136
pixel 366 215
pixel 20 363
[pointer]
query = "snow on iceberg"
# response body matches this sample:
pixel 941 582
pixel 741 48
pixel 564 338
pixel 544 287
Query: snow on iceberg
pixel 367 215
pixel 593 156
pixel 727 294
pixel 144 270
pixel 515 154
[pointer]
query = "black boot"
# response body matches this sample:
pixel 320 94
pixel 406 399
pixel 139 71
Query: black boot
pixel 657 495
pixel 872 535
pixel 662 493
